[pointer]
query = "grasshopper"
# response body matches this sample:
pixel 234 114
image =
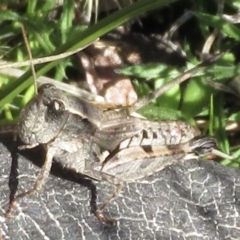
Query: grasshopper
pixel 105 145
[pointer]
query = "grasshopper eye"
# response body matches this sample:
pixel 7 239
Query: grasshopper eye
pixel 55 112
pixel 56 105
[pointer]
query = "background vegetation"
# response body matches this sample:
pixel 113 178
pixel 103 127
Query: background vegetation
pixel 203 28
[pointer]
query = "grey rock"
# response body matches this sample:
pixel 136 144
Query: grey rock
pixel 188 200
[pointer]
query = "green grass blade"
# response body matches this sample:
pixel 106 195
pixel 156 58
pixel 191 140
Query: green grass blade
pixel 81 40
pixel 222 25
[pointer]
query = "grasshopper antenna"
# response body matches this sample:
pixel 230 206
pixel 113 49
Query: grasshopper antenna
pixel 13 127
pixel 30 57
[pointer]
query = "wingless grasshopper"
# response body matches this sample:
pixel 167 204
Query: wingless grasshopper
pixel 105 145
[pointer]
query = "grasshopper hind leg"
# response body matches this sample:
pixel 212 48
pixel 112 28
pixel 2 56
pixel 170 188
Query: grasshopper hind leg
pixel 99 212
pixel 117 185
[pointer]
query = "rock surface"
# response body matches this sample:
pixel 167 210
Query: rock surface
pixel 189 200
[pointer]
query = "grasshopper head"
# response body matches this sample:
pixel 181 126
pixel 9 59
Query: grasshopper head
pixel 44 116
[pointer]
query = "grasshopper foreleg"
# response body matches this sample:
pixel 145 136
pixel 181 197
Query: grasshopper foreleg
pixel 41 179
